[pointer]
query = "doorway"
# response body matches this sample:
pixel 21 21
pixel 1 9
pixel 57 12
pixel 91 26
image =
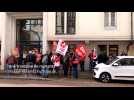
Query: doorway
pixel 113 50
pixel 102 49
pixel 29 34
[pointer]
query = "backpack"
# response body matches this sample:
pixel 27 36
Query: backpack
pixel 45 59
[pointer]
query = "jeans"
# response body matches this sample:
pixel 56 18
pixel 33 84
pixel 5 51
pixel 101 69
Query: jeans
pixel 9 67
pixel 92 63
pixel 75 71
pixel 82 66
pixel 65 68
pixel 44 72
pixel 57 69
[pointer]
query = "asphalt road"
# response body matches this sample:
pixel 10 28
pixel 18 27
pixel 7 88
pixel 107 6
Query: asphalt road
pixel 62 83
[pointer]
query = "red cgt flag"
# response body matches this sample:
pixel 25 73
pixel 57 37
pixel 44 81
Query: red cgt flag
pixel 81 51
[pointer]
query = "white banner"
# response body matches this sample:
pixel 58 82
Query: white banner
pixel 61 47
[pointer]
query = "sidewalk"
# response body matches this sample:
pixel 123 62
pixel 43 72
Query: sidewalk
pixel 81 75
pixel 32 85
pixel 49 82
pixel 52 81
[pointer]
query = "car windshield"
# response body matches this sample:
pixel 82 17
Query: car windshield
pixel 112 60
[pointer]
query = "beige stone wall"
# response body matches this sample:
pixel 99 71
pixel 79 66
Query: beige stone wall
pixel 131 50
pixel 90 26
pixel 122 45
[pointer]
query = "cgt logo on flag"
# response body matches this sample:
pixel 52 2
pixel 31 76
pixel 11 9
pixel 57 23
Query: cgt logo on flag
pixel 81 51
pixel 62 47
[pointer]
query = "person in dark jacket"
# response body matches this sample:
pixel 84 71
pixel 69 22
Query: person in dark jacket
pixel 65 62
pixel 50 61
pixel 44 68
pixel 82 62
pixel 103 58
pixel 30 58
pixel 93 58
pixel 75 62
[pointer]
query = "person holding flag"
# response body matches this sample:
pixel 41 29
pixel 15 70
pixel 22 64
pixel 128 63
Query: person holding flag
pixel 75 62
pixel 81 52
pixel 56 58
pixel 93 58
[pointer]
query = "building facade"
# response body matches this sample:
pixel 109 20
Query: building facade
pixel 109 32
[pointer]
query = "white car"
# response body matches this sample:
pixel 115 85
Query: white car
pixel 121 68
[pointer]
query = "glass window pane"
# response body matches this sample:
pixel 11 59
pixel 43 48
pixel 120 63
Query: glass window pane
pixel 71 22
pixel 60 22
pixel 106 19
pixel 37 28
pixel 39 21
pixel 112 18
pixel 33 21
pixel 113 50
pixel 27 27
pixel 132 61
pixel 27 38
pixel 124 62
pixel 27 21
pixel 59 19
pixel 71 30
pixel 34 36
pixel 59 30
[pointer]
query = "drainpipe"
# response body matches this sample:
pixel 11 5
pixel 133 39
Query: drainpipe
pixel 131 27
pixel 131 41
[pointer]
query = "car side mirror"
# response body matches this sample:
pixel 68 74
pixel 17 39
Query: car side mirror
pixel 115 64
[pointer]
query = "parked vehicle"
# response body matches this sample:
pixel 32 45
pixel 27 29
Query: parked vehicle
pixel 120 68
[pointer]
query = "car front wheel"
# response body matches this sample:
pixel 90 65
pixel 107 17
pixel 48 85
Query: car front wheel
pixel 105 77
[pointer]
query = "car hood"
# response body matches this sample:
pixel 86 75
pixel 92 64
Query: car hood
pixel 102 65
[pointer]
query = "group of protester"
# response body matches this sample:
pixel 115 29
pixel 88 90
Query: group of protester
pixel 68 63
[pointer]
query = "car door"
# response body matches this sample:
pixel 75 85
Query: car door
pixel 123 69
pixel 130 68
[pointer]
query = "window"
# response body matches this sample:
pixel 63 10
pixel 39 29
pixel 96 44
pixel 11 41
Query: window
pixel 106 23
pixel 102 49
pixel 29 33
pixel 132 62
pixel 60 21
pixel 110 19
pixel 71 22
pixel 124 62
pixel 113 50
pixel 113 19
pixel 71 47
